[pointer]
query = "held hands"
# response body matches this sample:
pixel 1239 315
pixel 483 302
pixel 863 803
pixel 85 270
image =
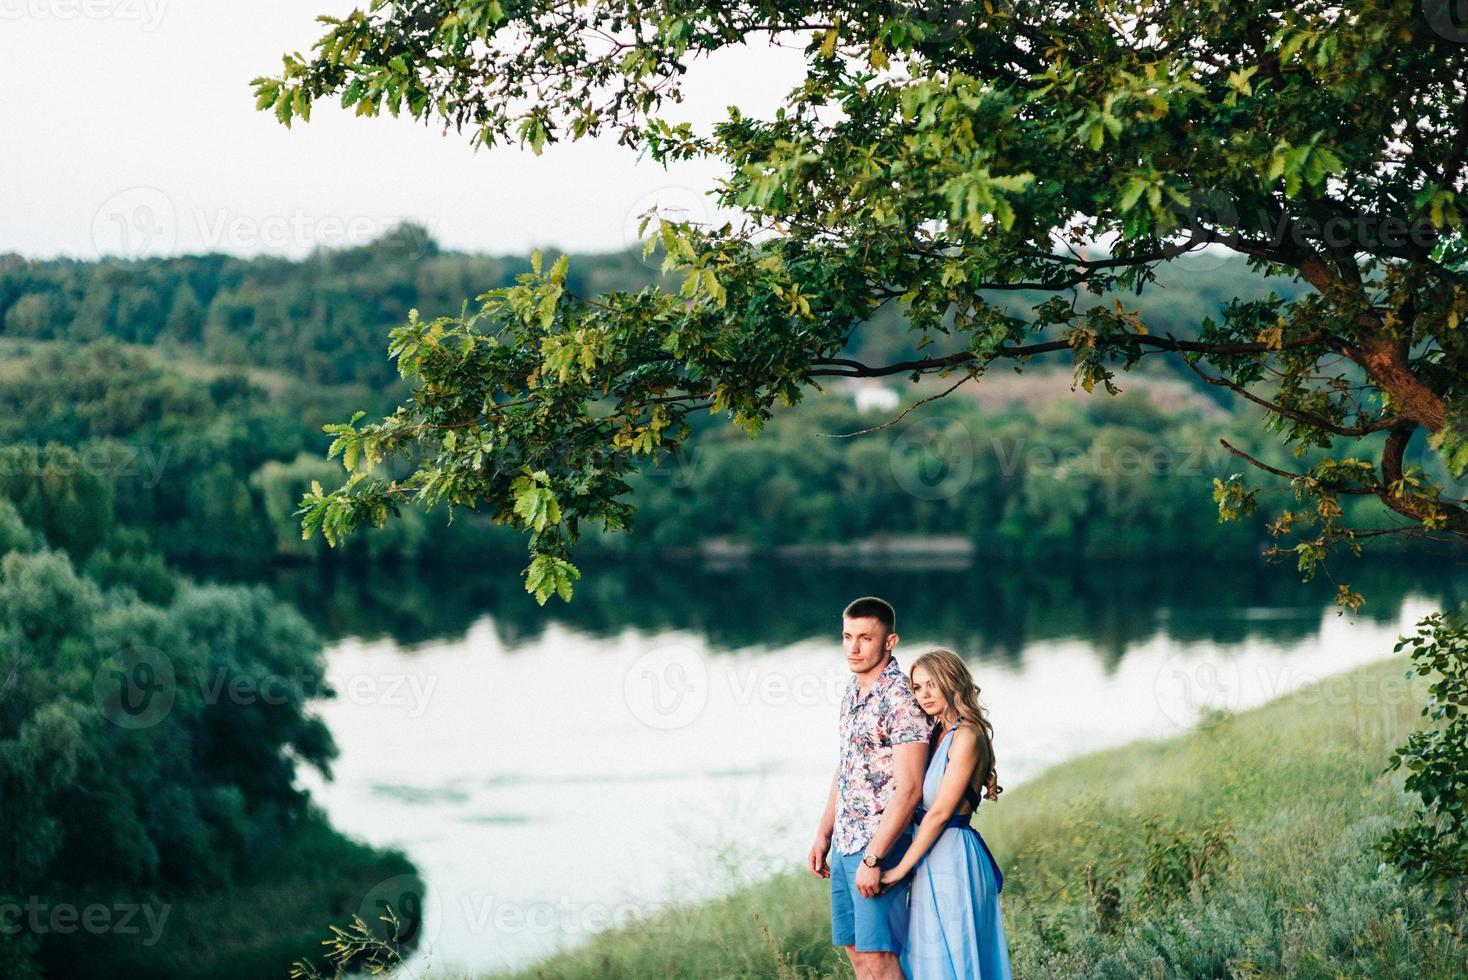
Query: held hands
pixel 895 874
pixel 869 881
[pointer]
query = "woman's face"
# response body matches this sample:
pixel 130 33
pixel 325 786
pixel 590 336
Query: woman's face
pixel 925 688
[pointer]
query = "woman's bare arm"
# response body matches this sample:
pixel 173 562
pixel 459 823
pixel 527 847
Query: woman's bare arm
pixel 963 757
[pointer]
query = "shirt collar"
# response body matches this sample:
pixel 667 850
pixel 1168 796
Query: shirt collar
pixel 889 673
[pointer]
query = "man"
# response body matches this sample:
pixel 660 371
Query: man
pixel 877 786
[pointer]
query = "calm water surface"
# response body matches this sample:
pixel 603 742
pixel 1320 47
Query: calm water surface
pixel 671 734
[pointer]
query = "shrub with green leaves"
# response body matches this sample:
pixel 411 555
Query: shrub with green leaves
pixel 1434 846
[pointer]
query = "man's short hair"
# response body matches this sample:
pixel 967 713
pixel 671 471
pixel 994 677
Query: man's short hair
pixel 870 606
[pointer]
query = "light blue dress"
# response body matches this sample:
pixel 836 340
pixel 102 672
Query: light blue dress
pixel 955 927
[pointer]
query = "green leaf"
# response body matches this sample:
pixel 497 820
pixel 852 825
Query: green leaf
pixel 1131 193
pixel 828 44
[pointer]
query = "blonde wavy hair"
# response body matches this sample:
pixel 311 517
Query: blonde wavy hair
pixel 957 686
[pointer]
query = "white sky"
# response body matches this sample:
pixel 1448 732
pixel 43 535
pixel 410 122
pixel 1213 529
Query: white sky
pixel 129 127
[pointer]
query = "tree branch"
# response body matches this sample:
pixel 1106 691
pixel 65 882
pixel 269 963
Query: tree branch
pixel 1304 418
pixel 859 370
pixel 1361 491
pixel 903 415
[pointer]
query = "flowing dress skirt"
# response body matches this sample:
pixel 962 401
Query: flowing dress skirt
pixel 956 929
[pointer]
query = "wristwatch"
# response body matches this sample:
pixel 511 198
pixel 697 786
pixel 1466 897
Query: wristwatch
pixel 870 859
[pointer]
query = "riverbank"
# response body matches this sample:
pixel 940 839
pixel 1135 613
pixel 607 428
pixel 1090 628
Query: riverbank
pixel 1240 849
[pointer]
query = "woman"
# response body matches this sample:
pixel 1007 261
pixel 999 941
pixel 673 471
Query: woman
pixel 955 927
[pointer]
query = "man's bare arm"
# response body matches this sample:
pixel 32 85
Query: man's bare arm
pixel 909 761
pixel 816 861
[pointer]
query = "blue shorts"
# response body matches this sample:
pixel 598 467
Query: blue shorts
pixel 872 925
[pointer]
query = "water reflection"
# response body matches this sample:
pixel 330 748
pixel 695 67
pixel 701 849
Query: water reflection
pixel 990 611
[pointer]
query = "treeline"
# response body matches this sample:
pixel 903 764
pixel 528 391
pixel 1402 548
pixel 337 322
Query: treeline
pixel 174 466
pixel 324 319
pixel 206 473
pixel 1094 478
pixel 176 462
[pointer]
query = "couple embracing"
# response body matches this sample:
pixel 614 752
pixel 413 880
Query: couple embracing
pixel 914 889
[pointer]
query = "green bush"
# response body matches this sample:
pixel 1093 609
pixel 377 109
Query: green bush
pixel 1433 847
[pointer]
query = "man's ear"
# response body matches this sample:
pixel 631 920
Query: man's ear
pixel 891 641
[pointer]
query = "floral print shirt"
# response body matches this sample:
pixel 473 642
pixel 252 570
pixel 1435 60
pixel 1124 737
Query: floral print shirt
pixel 870 724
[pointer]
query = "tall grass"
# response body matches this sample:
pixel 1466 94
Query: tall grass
pixel 1241 849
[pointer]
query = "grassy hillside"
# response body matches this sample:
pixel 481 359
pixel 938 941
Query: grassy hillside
pixel 1240 849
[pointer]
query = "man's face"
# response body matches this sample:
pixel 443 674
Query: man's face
pixel 866 642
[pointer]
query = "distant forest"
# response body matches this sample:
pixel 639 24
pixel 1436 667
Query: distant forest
pixel 325 318
pixel 203 381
